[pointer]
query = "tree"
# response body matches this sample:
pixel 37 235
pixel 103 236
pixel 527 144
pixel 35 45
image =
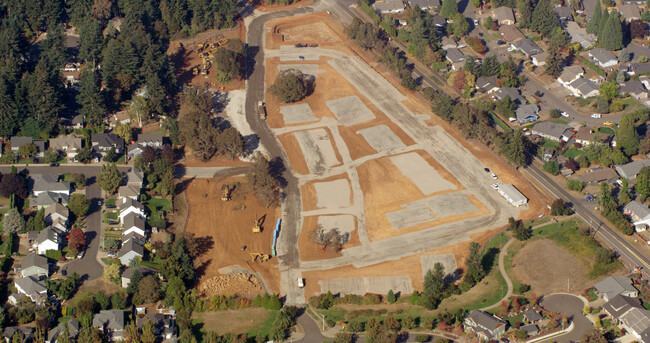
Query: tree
pixel 560 208
pixel 228 64
pixel 76 240
pixel 593 336
pixel 555 113
pixel 78 180
pixel 131 333
pixel 602 105
pixel 148 332
pixel 460 26
pixel 109 178
pixel 199 132
pixel 638 29
pixel 474 271
pixel 554 64
pixel 111 243
pixel 123 130
pixel 12 221
pixel 552 167
pixel 52 156
pixel 609 90
pixel 112 272
pixel 291 85
pixel 148 290
pixel 602 24
pixel 365 35
pixel 79 205
pixel 28 150
pixel 514 148
pixel 612 37
pixel 449 8
pixel 90 98
pixel 544 20
pixel 118 301
pixel 434 287
pixel 262 181
pixel 520 231
pixel 230 143
pixel 628 138
pixel 13 183
pixel 624 56
pixel 575 185
pixel 390 297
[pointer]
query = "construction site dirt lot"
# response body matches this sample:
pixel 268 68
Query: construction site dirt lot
pixel 227 226
pixel 311 251
pixel 318 28
pixel 308 192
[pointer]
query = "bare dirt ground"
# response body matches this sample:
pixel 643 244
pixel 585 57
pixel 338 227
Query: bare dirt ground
pixel 308 192
pixel 311 251
pixel 227 226
pixel 546 267
pixel 317 27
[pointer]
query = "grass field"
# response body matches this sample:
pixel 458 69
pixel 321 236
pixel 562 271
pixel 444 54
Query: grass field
pixel 573 153
pixel 251 321
pixel 158 204
pixel 549 144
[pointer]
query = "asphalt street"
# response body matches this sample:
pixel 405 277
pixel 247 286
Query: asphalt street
pixel 572 307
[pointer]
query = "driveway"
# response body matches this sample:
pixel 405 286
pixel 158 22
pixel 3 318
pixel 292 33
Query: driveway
pixel 571 306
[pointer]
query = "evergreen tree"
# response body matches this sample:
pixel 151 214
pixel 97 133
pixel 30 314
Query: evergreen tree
pixel 612 37
pixel 474 271
pixel 109 178
pixel 601 25
pixel 554 63
pixel 91 41
pixel 628 138
pixel 526 13
pixel 642 187
pixel 54 51
pixel 90 98
pixel 544 20
pixel 434 286
pixel 594 24
pixel 449 8
pixel 44 97
pixel 514 148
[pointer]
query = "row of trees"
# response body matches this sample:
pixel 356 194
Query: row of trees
pixel 607 27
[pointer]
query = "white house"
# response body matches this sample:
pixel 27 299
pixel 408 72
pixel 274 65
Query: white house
pixel 133 222
pixel 604 58
pixel 56 215
pixel 128 205
pixel 639 213
pixel 48 239
pixel 129 251
pixel 48 183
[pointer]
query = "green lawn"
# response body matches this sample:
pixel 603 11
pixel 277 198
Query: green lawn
pixel 549 144
pixel 53 254
pixel 110 202
pixel 26 161
pixel 573 153
pixel 110 215
pixel 560 121
pixel 515 319
pixel 158 204
pixel 607 130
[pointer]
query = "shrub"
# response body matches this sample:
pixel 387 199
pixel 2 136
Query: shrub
pixel 356 326
pixel 575 185
pixel 422 338
pixel 552 167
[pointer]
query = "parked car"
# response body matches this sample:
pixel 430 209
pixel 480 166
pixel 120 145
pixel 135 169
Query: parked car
pixel 495 185
pixel 596 115
pixel 487 170
pixel 500 42
pixel 608 123
pixel 564 114
pixel 81 254
pixel 301 282
pixel 494 176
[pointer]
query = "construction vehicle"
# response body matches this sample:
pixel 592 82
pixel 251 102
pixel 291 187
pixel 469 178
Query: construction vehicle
pixel 225 189
pixel 262 257
pixel 261 109
pixel 256 225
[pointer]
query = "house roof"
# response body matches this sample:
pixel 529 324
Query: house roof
pixel 130 190
pixel 599 175
pixel 551 129
pixel 17 142
pixel 114 320
pixel 563 12
pixel 48 182
pixel 637 209
pixel 65 142
pixel 503 13
pixel 527 47
pixel 631 87
pixel 541 57
pixel 485 320
pixel 439 20
pixel 448 41
pixel 73 330
pixel 533 315
pixel 587 134
pixel 31 285
pixel 144 271
pixel 150 138
pixel 134 176
pixel 510 33
pixel 455 55
pixel 424 3
pixel 620 304
pixel 513 93
pixel 530 329
pixel 132 219
pixel 580 35
pixel 128 202
pixel 25 332
pixel 47 234
pixel 513 193
pixel 133 235
pixel 34 260
pixel 49 198
pixel 630 12
pixel 78 119
pixel 614 285
pixel 632 169
pixel 584 86
pixel 389 5
pixel 107 140
pixel 601 55
pixel 526 111
pixel 589 6
pixel 640 68
pixel 636 319
pixel 57 208
pixel 131 246
pixel 486 83
pixel 159 320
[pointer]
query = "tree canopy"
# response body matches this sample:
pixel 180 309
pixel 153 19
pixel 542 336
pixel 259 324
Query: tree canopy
pixel 290 86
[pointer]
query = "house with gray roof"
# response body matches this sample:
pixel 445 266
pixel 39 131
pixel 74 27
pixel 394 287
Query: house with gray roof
pixel 424 4
pixel 636 321
pixel 619 305
pixel 45 199
pixel 632 169
pixel 456 58
pixel 586 136
pixel 128 205
pixel 73 331
pixel 553 131
pixel 526 46
pixel 510 33
pixel 439 20
pixel 131 191
pixel 513 93
pixel 32 287
pixel 603 57
pixel 570 74
pixel 584 88
pixel 532 316
pixel 127 275
pixel 19 141
pixel 630 12
pixel 389 6
pixel 134 176
pixel 36 265
pixel 104 142
pixel 539 59
pixel 614 285
pixel 26 333
pixel 133 223
pixel 70 145
pixel 448 43
pixel 133 235
pixel 153 140
pixel 599 175
pixel 637 68
pixel 487 84
pixel 579 35
pixel 527 113
pixel 111 322
pixel 48 183
pixel 57 215
pixel 164 324
pixel 563 13
pixel 129 251
pixel 634 89
pixel 639 213
pixel 530 329
pixel 47 239
pixel 484 325
pixel 504 15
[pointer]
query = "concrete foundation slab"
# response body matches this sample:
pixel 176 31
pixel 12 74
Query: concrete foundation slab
pixel 350 110
pixel 421 173
pixel 363 285
pixel 410 216
pixel 333 194
pixel 345 223
pixel 447 260
pixel 447 205
pixel 309 69
pixel 317 150
pixel 381 138
pixel 295 114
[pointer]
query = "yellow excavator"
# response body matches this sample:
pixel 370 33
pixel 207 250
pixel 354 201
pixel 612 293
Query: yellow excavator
pixel 256 225
pixel 226 190
pixel 262 257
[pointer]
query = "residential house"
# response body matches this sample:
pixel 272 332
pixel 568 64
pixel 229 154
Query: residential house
pixel 632 169
pixel 510 33
pixel 484 325
pixel 634 89
pixel 530 329
pixel 154 140
pixel 604 58
pixel 48 183
pixel 164 324
pixel 104 142
pixel 129 251
pixel 630 12
pixel 570 74
pixel 134 176
pixel 589 7
pixel 539 59
pixel 553 131
pixel 599 175
pixel 32 287
pixel 111 322
pixel 532 316
pixel 69 145
pixel 448 43
pixel 645 80
pixel 45 199
pixel 487 84
pixel 77 121
pixel 564 13
pixel 131 191
pixel 579 35
pixel 504 15
pixel 15 298
pixel 513 93
pixel 614 285
pixel 619 305
pixel 128 205
pixel 27 334
pixel 127 275
pixel 526 46
pixel 133 222
pixel 389 6
pixel 46 239
pixel 19 141
pixel 456 58
pixel 133 235
pixel 439 21
pixel 56 215
pixel 34 265
pixel 527 113
pixel 639 213
pixel 73 331
pixel 636 321
pixel 586 136
pixel 584 88
pixel 424 4
pixel 637 68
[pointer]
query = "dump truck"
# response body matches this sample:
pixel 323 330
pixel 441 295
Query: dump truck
pixel 261 109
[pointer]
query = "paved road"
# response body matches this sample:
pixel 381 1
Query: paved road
pixel 312 332
pixel 610 236
pixel 572 307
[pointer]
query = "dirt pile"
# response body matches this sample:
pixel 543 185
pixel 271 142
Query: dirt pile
pixel 242 284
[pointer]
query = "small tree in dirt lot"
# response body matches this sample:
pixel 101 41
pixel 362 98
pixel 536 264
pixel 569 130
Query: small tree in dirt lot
pixel 109 178
pixel 76 240
pixel 263 183
pixel 291 86
pixel 78 204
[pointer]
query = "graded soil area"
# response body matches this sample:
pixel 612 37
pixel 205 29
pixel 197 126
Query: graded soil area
pixel 227 226
pixel 311 251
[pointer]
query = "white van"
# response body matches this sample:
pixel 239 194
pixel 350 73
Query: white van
pixel 596 115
